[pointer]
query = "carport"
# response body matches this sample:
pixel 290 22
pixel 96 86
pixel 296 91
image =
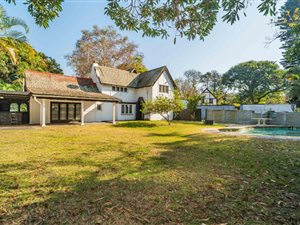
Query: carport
pixel 14 107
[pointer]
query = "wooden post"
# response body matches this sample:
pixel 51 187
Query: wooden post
pixel 114 113
pixel 43 113
pixel 82 113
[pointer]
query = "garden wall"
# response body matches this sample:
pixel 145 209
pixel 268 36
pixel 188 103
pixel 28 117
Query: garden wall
pixel 245 117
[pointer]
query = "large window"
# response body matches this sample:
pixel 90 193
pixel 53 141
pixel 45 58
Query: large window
pixel 163 88
pixel 65 111
pixel 126 109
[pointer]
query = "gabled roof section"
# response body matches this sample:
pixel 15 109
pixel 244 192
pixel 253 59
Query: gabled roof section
pixel 206 89
pixel 58 85
pixel 125 78
pixel 114 76
pixel 148 78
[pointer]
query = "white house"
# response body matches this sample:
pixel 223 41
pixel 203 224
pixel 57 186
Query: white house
pixel 209 98
pixel 107 95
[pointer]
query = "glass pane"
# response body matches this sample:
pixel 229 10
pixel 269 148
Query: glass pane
pixel 126 109
pixel 123 111
pixel 54 111
pixel 23 107
pixel 71 111
pixel 130 109
pixel 14 107
pixel 78 112
pixel 63 111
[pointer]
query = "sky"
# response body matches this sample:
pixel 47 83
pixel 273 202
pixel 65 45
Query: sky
pixel 226 46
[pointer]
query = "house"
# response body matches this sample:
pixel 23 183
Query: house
pixel 107 95
pixel 209 98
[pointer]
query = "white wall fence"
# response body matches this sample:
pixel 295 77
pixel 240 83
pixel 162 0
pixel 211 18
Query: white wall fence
pixel 246 117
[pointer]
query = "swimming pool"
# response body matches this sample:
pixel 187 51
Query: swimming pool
pixel 264 131
pixel 277 131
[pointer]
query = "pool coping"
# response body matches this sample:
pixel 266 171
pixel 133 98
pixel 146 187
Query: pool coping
pixel 235 127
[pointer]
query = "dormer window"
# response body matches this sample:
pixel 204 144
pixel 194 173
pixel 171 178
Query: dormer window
pixel 119 89
pixel 163 89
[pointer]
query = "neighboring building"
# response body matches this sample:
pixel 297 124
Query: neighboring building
pixel 269 107
pixel 209 98
pixel 108 95
pixel 203 109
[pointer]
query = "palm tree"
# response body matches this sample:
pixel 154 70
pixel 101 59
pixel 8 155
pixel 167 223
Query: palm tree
pixel 6 25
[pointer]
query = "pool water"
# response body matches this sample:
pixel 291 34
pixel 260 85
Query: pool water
pixel 279 131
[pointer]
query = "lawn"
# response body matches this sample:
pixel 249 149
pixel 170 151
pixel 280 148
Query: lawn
pixel 146 173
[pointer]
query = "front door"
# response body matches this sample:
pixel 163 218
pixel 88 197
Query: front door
pixel 63 112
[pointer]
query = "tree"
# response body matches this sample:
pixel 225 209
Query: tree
pixel 11 75
pixel 107 48
pixel 288 23
pixel 6 31
pixel 189 18
pixel 188 86
pixel 289 34
pixel 163 106
pixel 192 103
pixel 255 80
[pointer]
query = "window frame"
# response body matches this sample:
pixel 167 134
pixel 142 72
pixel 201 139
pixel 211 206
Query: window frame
pixel 126 109
pixel 164 88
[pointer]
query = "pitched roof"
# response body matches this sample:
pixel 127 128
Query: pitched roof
pixel 119 77
pixel 206 89
pixel 58 85
pixel 113 76
pixel 14 95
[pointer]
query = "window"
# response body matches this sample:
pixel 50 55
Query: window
pixel 23 107
pixel 120 89
pixel 211 100
pixel 126 109
pixel 14 107
pixel 99 107
pixel 163 88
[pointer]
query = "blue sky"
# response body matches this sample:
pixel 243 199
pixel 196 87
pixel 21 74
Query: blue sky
pixel 226 46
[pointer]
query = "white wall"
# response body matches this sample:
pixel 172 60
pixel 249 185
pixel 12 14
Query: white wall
pixel 207 96
pixel 265 108
pixel 162 80
pixel 129 96
pixel 92 114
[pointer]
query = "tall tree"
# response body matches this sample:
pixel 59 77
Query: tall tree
pixel 11 75
pixel 107 48
pixel 189 18
pixel 255 80
pixel 288 23
pixel 7 25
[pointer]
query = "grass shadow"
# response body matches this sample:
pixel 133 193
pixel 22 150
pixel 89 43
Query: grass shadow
pixel 136 124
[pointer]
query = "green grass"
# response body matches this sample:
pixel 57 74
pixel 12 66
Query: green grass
pixel 146 173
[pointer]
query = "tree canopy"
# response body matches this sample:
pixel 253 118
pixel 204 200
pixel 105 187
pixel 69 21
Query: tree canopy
pixel 255 80
pixel 189 18
pixel 163 106
pixel 11 75
pixel 107 48
pixel 288 23
pixel 7 25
